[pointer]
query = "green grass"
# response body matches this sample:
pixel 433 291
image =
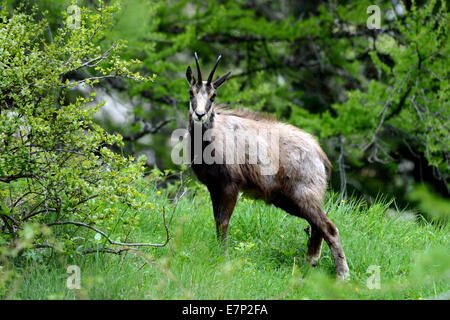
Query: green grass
pixel 266 258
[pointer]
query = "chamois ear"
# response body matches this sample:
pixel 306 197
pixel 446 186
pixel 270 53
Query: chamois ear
pixel 219 81
pixel 189 76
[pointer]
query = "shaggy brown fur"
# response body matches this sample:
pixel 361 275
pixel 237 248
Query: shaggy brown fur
pixel 243 113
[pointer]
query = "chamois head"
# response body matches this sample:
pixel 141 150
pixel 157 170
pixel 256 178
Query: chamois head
pixel 202 93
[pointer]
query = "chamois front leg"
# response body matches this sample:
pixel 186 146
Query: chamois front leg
pixel 314 246
pixel 223 199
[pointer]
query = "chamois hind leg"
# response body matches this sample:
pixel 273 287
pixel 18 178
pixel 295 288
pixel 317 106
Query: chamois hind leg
pixel 223 199
pixel 312 211
pixel 308 206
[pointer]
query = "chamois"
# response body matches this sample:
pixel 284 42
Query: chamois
pixel 297 185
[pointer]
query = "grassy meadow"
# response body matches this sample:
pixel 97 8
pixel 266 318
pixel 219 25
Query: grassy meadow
pixel 265 260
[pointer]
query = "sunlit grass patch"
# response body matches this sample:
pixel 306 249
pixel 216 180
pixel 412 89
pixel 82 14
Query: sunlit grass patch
pixel 265 260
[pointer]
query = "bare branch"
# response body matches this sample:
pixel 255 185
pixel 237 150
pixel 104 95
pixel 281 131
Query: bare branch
pixel 81 224
pixel 32 214
pixel 108 250
pixel 148 129
pixel 342 175
pixel 384 110
pixel 124 244
pixel 8 179
pixel 98 59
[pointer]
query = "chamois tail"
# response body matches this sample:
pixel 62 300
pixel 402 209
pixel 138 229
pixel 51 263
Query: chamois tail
pixel 326 163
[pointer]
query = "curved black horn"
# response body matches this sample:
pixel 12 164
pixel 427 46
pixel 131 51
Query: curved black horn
pixel 211 75
pixel 199 73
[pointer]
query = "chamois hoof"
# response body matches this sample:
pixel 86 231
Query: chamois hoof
pixel 308 231
pixel 343 277
pixel 313 262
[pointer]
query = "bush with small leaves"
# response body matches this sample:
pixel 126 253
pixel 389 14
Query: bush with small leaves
pixel 60 181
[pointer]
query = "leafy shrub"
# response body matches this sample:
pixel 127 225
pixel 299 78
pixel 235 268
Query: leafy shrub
pixel 59 179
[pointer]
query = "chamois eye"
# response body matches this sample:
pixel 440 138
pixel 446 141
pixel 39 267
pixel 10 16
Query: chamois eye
pixel 213 97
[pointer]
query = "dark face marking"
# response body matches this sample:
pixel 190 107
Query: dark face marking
pixel 201 102
pixel 203 93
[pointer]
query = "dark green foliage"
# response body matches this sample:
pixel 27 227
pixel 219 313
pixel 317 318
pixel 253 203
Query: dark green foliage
pixel 375 98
